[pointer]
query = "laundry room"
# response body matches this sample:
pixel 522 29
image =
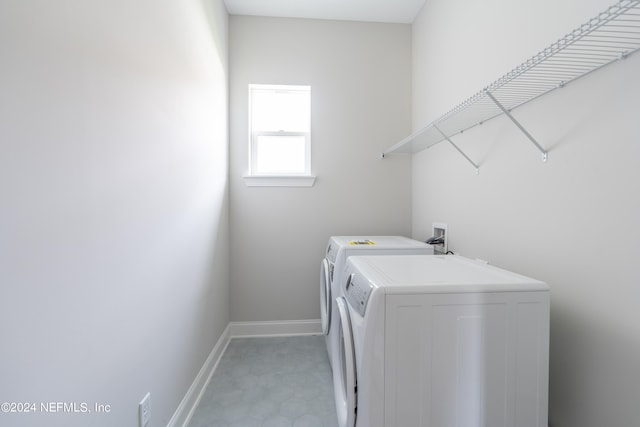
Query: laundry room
pixel 137 240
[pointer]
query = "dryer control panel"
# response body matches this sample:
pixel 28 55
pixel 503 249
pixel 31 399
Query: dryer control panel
pixel 357 292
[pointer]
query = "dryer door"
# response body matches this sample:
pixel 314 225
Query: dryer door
pixel 325 296
pixel 344 375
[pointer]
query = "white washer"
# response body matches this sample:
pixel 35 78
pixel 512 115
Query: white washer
pixel 441 341
pixel 339 249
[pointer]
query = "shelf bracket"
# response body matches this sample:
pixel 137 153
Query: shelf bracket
pixel 515 122
pixel 458 149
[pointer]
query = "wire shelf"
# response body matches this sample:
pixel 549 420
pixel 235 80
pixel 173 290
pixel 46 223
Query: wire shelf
pixel 612 35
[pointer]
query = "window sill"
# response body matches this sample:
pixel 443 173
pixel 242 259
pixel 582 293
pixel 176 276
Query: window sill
pixel 280 181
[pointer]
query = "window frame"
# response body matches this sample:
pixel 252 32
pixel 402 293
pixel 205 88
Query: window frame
pixel 278 179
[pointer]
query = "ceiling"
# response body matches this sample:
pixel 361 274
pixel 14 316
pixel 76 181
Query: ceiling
pixel 392 11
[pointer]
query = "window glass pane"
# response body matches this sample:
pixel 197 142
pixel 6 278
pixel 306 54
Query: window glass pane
pixel 280 154
pixel 280 110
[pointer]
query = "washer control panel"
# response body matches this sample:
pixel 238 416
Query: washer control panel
pixel 357 292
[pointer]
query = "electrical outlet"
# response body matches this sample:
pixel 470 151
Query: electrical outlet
pixel 144 410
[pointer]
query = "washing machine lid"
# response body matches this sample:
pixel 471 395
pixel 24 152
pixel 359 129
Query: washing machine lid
pixel 365 241
pixel 438 274
pixel 354 244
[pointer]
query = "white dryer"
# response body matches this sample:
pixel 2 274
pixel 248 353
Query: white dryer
pixel 441 341
pixel 339 249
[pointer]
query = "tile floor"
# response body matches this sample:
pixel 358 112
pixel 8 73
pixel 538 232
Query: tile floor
pixel 270 382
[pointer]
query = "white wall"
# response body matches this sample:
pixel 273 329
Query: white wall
pixel 113 204
pixel 360 77
pixel 572 221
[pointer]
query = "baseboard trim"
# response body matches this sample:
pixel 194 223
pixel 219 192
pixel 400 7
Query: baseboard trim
pixel 183 414
pixel 275 328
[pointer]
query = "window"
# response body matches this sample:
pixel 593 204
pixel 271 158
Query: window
pixel 279 133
